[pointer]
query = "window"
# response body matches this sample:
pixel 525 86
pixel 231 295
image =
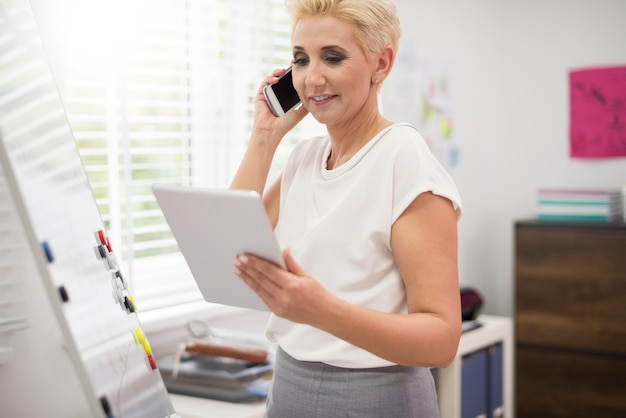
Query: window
pixel 161 91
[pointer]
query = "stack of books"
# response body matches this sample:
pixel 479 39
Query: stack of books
pixel 212 377
pixel 583 205
pixel 218 370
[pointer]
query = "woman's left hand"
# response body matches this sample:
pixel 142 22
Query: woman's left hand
pixel 290 293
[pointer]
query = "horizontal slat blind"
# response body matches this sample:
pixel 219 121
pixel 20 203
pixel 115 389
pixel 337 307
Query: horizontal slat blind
pixel 161 91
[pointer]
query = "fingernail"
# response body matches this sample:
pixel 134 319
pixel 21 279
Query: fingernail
pixel 236 271
pixel 242 258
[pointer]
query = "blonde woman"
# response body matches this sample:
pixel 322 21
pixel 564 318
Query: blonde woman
pixel 369 301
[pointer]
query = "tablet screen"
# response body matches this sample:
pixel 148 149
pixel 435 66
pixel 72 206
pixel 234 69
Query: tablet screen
pixel 213 226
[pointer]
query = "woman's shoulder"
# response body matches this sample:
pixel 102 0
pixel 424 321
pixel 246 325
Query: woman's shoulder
pixel 313 142
pixel 404 137
pixel 405 132
pixel 310 145
pixel 305 152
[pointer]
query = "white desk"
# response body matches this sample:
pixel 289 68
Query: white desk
pixel 494 329
pixel 191 407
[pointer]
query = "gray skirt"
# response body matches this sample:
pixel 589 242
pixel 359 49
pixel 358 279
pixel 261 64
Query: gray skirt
pixel 303 389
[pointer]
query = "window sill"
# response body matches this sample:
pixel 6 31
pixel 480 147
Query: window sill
pixel 167 328
pixel 177 316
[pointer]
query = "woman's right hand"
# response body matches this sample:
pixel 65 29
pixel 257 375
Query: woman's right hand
pixel 267 132
pixel 271 127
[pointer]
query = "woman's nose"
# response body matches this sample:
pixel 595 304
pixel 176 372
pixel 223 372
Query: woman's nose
pixel 314 76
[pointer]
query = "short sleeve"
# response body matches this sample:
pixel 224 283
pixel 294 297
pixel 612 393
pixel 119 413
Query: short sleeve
pixel 416 171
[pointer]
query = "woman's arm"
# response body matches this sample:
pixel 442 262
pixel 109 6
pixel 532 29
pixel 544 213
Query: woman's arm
pixel 424 243
pixel 267 132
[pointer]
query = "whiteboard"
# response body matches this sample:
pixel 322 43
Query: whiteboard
pixel 75 260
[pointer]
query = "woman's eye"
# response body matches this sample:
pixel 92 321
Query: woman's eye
pixel 334 59
pixel 299 61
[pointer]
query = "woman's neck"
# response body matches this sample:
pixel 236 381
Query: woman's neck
pixel 346 140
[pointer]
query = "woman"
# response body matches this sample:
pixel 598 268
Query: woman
pixel 367 216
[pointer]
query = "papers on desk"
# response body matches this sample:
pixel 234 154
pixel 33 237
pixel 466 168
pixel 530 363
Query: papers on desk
pixel 213 377
pixel 470 325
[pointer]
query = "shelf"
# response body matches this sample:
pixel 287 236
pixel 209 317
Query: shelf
pixel 494 330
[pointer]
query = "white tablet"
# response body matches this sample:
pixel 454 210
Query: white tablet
pixel 213 226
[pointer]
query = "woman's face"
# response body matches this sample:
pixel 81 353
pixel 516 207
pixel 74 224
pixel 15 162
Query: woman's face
pixel 331 73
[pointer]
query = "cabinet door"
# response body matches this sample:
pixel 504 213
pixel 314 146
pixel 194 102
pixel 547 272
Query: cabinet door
pixel 481 383
pixel 495 372
pixel 571 287
pixel 553 384
pixel 474 385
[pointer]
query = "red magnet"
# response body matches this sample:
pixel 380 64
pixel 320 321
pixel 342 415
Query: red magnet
pixel 151 362
pixel 103 239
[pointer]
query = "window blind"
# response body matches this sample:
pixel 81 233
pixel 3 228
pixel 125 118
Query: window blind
pixel 161 91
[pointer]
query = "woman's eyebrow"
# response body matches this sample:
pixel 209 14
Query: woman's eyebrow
pixel 334 48
pixel 297 48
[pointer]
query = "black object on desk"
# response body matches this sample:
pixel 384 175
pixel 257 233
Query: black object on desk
pixel 471 302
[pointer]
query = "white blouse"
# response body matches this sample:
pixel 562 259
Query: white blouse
pixel 337 224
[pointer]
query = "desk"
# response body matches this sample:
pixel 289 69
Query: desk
pixel 494 330
pixel 191 407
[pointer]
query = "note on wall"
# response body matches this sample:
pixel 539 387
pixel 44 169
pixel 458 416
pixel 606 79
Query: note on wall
pixel 598 112
pixel 419 91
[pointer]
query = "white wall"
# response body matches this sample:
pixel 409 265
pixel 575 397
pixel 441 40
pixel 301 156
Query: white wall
pixel 511 60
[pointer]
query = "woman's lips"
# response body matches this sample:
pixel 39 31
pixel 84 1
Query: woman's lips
pixel 322 99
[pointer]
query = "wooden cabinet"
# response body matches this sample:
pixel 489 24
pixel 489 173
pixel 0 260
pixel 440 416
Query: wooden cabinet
pixel 570 319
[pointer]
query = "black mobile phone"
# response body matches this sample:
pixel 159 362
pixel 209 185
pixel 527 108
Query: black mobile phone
pixel 281 97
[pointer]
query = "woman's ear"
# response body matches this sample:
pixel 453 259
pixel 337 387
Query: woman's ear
pixel 384 64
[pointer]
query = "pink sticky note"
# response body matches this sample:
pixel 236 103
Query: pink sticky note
pixel 598 112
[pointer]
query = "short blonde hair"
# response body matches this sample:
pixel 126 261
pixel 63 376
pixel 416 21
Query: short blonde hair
pixel 376 21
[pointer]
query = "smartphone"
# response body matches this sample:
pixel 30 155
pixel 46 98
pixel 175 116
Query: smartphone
pixel 281 97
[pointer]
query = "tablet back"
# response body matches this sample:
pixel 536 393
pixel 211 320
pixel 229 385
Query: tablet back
pixel 213 226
